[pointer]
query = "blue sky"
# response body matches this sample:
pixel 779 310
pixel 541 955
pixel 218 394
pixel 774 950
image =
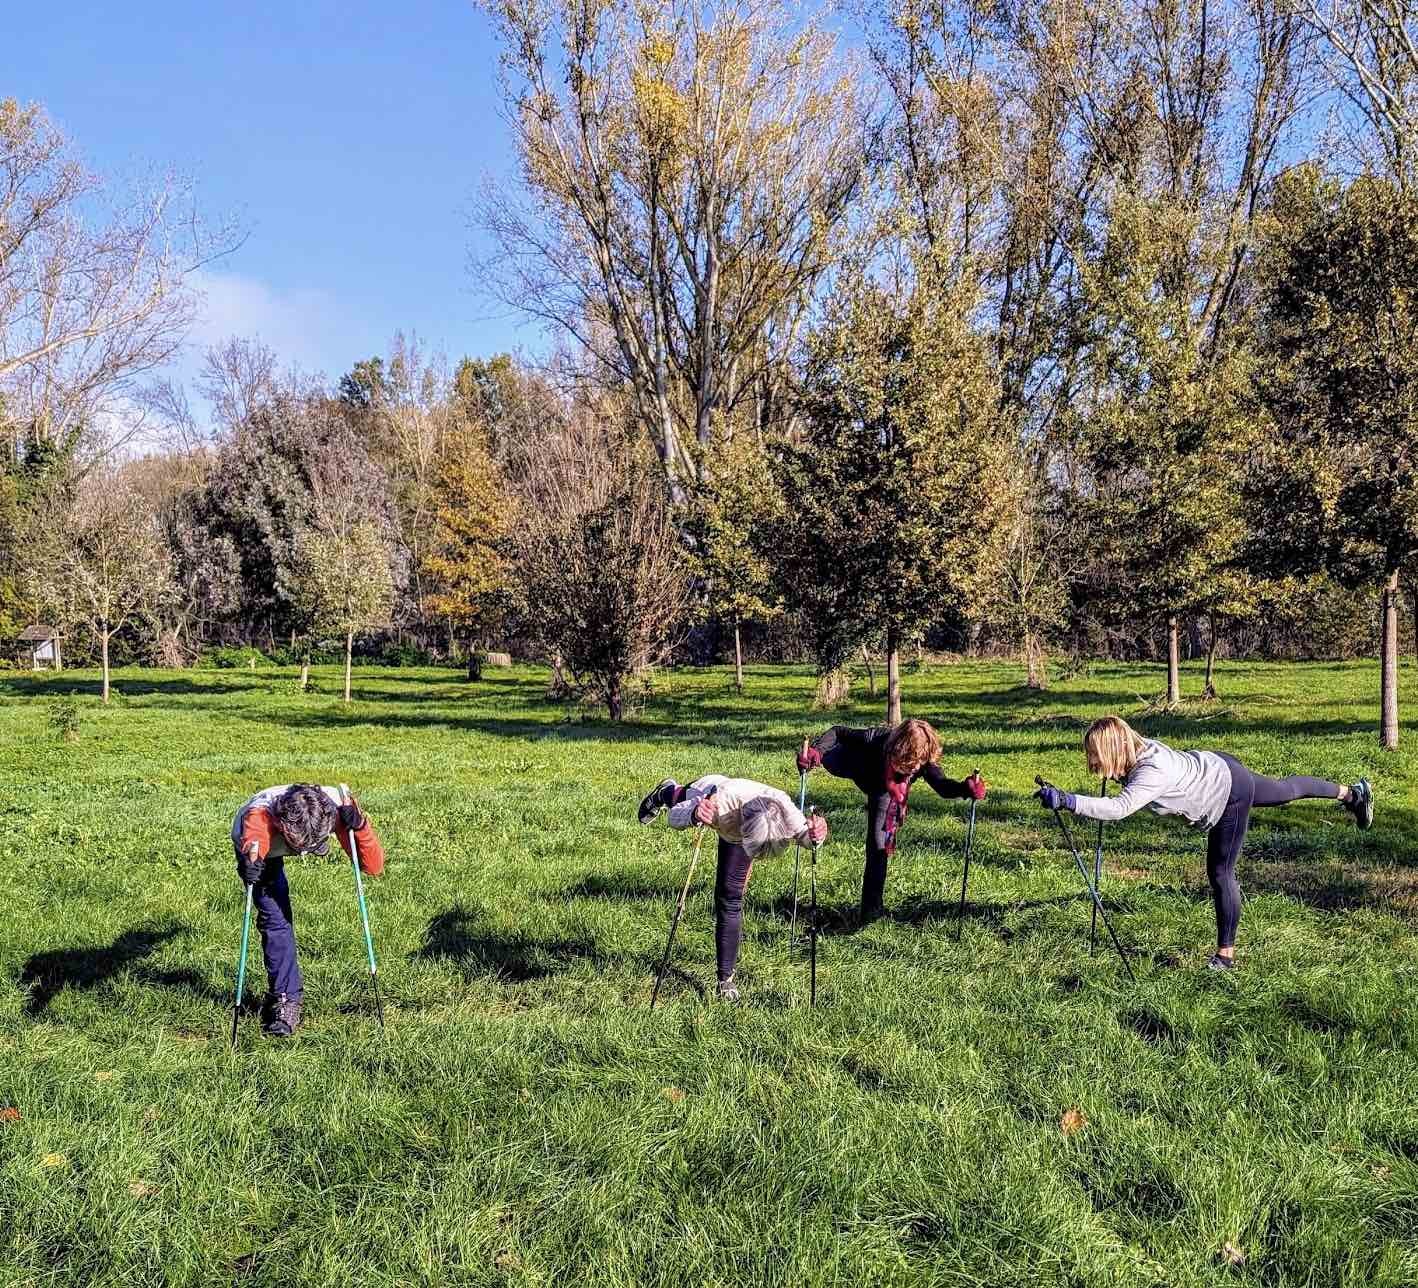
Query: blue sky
pixel 347 139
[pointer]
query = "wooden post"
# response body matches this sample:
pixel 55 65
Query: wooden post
pixel 893 677
pixel 1174 676
pixel 1388 665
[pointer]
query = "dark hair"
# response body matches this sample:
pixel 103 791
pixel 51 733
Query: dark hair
pixel 305 815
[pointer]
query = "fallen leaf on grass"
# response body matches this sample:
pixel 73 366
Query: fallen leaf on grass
pixel 1232 1254
pixel 141 1189
pixel 1381 1173
pixel 104 1075
pixel 9 1114
pixel 673 1094
pixel 54 1160
pixel 507 1261
pixel 1072 1122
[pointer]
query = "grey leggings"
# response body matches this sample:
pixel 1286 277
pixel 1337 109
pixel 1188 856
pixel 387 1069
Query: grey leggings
pixel 1223 844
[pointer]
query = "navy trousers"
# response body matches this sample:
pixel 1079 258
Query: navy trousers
pixel 271 896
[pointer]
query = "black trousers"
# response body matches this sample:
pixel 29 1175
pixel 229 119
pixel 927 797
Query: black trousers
pixel 1223 843
pixel 879 847
pixel 730 885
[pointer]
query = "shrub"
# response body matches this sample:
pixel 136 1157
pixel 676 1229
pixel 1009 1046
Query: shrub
pixel 64 719
pixel 227 657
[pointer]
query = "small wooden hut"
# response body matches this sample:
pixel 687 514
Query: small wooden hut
pixel 42 645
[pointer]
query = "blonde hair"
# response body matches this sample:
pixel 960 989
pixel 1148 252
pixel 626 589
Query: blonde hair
pixel 910 745
pixel 1113 747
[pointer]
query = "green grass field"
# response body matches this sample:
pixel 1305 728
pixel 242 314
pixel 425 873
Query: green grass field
pixel 527 1120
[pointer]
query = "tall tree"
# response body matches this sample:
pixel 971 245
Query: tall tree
pixel 107 565
pixel 690 168
pixel 96 285
pixel 344 583
pixel 602 575
pixel 1341 337
pixel 465 567
pixel 732 515
pixel 901 484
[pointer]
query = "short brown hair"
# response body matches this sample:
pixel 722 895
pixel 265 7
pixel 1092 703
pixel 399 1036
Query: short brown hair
pixel 1113 747
pixel 911 744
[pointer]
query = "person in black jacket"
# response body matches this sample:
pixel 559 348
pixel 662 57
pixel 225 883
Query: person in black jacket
pixel 884 762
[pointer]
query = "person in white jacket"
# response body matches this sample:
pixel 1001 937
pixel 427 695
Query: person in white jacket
pixel 752 820
pixel 1213 791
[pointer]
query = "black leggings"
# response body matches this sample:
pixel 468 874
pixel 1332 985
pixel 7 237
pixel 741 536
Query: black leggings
pixel 1223 844
pixel 879 847
pixel 730 883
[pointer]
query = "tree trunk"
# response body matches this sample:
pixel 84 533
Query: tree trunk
pixel 103 640
pixel 1174 675
pixel 1388 666
pixel 349 654
pixel 475 661
pixel 304 676
pixel 1036 669
pixel 893 677
pixel 614 701
pixel 1208 689
pixel 738 658
pixel 871 674
pixel 58 655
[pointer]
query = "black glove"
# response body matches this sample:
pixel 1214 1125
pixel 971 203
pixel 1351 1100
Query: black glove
pixel 350 815
pixel 249 869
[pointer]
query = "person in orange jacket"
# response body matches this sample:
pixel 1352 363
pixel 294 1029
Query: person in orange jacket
pixel 272 825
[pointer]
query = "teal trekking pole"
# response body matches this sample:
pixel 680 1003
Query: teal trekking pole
pixel 364 913
pixel 241 961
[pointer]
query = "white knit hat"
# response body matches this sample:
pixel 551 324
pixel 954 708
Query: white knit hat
pixel 768 826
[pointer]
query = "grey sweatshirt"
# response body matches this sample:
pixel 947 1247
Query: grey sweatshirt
pixel 1194 784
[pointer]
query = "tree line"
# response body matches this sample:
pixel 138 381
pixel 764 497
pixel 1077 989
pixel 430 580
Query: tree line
pixel 1047 329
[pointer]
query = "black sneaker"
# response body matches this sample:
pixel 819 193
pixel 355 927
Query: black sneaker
pixel 280 1015
pixel 1218 962
pixel 728 990
pixel 658 800
pixel 1361 804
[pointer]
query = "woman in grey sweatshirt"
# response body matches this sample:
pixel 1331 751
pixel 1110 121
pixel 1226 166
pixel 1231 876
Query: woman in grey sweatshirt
pixel 1211 790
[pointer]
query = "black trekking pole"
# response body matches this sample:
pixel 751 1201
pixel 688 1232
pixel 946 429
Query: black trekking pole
pixel 241 961
pixel 1092 890
pixel 1097 873
pixel 364 914
pixel 812 933
pixel 798 851
pixel 679 907
pixel 965 879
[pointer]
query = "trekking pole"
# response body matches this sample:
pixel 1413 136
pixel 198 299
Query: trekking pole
pixel 241 960
pixel 1092 889
pixel 798 850
pixel 812 931
pixel 965 880
pixel 364 914
pixel 1097 872
pixel 679 907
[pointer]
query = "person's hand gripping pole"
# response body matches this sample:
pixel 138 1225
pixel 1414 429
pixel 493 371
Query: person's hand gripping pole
pixel 1049 795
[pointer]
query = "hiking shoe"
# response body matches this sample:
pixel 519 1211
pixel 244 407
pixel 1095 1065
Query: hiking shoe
pixel 1218 962
pixel 728 990
pixel 658 800
pixel 1361 804
pixel 280 1015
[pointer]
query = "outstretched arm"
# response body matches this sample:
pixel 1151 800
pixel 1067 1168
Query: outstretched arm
pixel 953 789
pixel 1143 786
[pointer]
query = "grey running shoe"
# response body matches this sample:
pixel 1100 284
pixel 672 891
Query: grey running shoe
pixel 280 1015
pixel 728 990
pixel 1361 804
pixel 658 800
pixel 1218 962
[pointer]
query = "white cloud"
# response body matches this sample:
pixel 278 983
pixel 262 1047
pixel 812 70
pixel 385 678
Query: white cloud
pixel 303 325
